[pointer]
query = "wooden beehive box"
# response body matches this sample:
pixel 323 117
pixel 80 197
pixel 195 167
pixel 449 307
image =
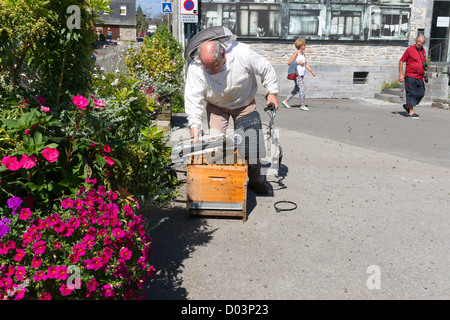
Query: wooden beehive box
pixel 217 190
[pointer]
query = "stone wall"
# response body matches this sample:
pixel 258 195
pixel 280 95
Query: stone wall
pixel 336 66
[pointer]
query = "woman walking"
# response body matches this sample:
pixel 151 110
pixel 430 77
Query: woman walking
pixel 302 65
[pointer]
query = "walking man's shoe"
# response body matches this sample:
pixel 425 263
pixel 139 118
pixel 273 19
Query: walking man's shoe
pixel 414 116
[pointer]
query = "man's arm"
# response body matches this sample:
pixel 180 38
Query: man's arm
pixel 401 77
pixel 265 70
pixel 194 95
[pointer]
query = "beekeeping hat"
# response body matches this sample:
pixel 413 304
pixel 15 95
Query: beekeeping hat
pixel 223 34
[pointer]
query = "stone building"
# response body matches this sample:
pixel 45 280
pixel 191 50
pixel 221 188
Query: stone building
pixel 120 23
pixel 353 45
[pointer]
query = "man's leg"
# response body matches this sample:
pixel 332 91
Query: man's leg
pixel 256 179
pixel 411 91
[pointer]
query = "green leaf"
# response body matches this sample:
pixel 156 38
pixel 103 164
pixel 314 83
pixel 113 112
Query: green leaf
pixel 10 123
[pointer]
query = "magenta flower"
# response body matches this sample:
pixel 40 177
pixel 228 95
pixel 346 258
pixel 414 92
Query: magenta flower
pixel 25 214
pixel 107 148
pixel 61 273
pixel 50 154
pixel 19 255
pixel 93 181
pixel 41 100
pixel 28 162
pixel 67 203
pixel 125 254
pixel 65 290
pixel 109 161
pixel 20 273
pixel 80 101
pixel 11 163
pixel 99 103
pixel 51 272
pixel 36 262
pixel 45 109
pixel 46 296
pixel 107 291
pixel 40 275
pixel 119 233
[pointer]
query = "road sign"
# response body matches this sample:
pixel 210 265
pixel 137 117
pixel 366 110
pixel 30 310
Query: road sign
pixel 166 7
pixel 189 7
pixel 189 18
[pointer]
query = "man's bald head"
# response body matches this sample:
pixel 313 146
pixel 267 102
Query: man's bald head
pixel 212 56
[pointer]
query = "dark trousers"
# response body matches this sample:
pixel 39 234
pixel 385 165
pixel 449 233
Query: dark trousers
pixel 415 91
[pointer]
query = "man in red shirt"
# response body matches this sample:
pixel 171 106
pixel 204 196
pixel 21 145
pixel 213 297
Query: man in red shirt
pixel 415 59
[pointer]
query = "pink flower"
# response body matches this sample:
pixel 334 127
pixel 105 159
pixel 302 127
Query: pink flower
pixel 36 262
pixel 41 100
pixel 109 161
pixel 27 131
pixel 92 285
pixel 20 273
pixel 125 254
pixel 106 149
pixel 107 291
pixel 61 273
pixel 119 233
pixel 99 103
pixel 39 247
pixel 28 162
pixel 67 203
pixel 11 163
pixel 50 154
pixel 45 109
pixel 25 214
pixel 93 181
pixel 40 275
pixel 80 101
pixel 51 272
pixel 65 290
pixel 19 255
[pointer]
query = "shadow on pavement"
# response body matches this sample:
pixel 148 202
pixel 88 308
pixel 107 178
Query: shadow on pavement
pixel 174 237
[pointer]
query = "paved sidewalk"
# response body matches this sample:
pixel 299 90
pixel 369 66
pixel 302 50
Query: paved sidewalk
pixel 363 204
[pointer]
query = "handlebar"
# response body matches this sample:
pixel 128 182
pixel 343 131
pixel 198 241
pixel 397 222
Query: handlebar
pixel 270 107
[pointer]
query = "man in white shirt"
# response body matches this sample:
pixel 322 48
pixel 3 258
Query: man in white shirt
pixel 223 75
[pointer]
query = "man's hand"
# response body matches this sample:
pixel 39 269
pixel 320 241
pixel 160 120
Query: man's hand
pixel 272 98
pixel 195 133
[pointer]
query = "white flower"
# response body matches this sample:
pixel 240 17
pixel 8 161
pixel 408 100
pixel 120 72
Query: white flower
pixel 116 82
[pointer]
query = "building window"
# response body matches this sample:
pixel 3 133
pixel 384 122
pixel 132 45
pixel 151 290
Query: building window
pixel 123 10
pixel 345 23
pixel 387 22
pixel 360 77
pixel 259 20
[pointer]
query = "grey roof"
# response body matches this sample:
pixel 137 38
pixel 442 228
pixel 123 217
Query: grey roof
pixel 115 18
